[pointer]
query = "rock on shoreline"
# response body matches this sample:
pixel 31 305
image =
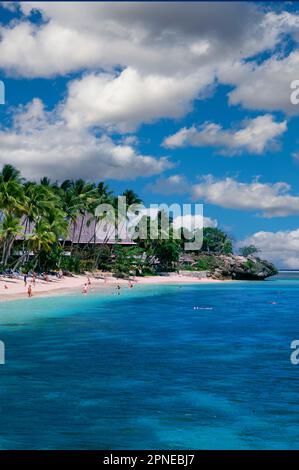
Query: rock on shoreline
pixel 242 268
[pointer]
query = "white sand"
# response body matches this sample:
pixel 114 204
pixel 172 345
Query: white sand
pixel 11 289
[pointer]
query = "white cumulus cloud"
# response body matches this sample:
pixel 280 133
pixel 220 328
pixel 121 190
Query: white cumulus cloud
pixel 253 136
pixel 193 222
pixel 122 101
pixel 174 184
pixel 140 35
pixel 271 200
pixel 142 56
pixel 265 86
pixel 39 143
pixel 281 247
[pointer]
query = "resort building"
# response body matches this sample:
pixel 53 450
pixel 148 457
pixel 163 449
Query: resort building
pixel 86 230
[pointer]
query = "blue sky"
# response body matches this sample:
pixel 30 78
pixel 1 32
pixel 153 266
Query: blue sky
pixel 182 103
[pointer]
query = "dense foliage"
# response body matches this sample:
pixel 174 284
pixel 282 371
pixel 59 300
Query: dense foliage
pixel 249 250
pixel 37 217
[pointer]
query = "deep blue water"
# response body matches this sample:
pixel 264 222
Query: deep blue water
pixel 164 367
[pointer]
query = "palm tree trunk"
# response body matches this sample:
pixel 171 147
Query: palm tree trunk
pixel 81 228
pixel 4 252
pixel 25 233
pixel 8 247
pixel 18 263
pixel 73 234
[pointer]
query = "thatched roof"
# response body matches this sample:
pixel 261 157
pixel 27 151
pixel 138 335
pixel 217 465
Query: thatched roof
pixel 97 233
pixel 91 233
pixel 185 258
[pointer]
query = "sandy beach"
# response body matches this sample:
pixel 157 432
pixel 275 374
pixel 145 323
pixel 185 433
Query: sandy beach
pixel 12 289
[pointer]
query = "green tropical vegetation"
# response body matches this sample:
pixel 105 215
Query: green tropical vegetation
pixel 43 228
pixel 248 250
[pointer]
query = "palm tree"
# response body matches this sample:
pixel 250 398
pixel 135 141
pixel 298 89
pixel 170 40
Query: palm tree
pixel 103 191
pixel 12 200
pixel 43 213
pixel 10 229
pixel 69 205
pixel 46 233
pixel 41 239
pixel 131 197
pixel 9 173
pixel 216 241
pixel 103 195
pixel 11 190
pixel 40 199
pixel 86 197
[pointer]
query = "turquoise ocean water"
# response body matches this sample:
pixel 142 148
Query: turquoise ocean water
pixel 158 367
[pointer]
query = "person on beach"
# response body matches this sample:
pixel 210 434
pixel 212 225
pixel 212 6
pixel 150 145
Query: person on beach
pixel 85 289
pixel 29 292
pixel 33 279
pixel 25 280
pixel 118 289
pixel 88 281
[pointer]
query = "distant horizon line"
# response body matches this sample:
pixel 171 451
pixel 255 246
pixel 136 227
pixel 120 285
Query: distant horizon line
pixel 283 270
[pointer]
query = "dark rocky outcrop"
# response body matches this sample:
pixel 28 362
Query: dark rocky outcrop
pixel 229 266
pixel 242 268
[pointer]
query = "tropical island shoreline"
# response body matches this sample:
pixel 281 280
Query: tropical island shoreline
pixel 52 233
pixel 14 289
